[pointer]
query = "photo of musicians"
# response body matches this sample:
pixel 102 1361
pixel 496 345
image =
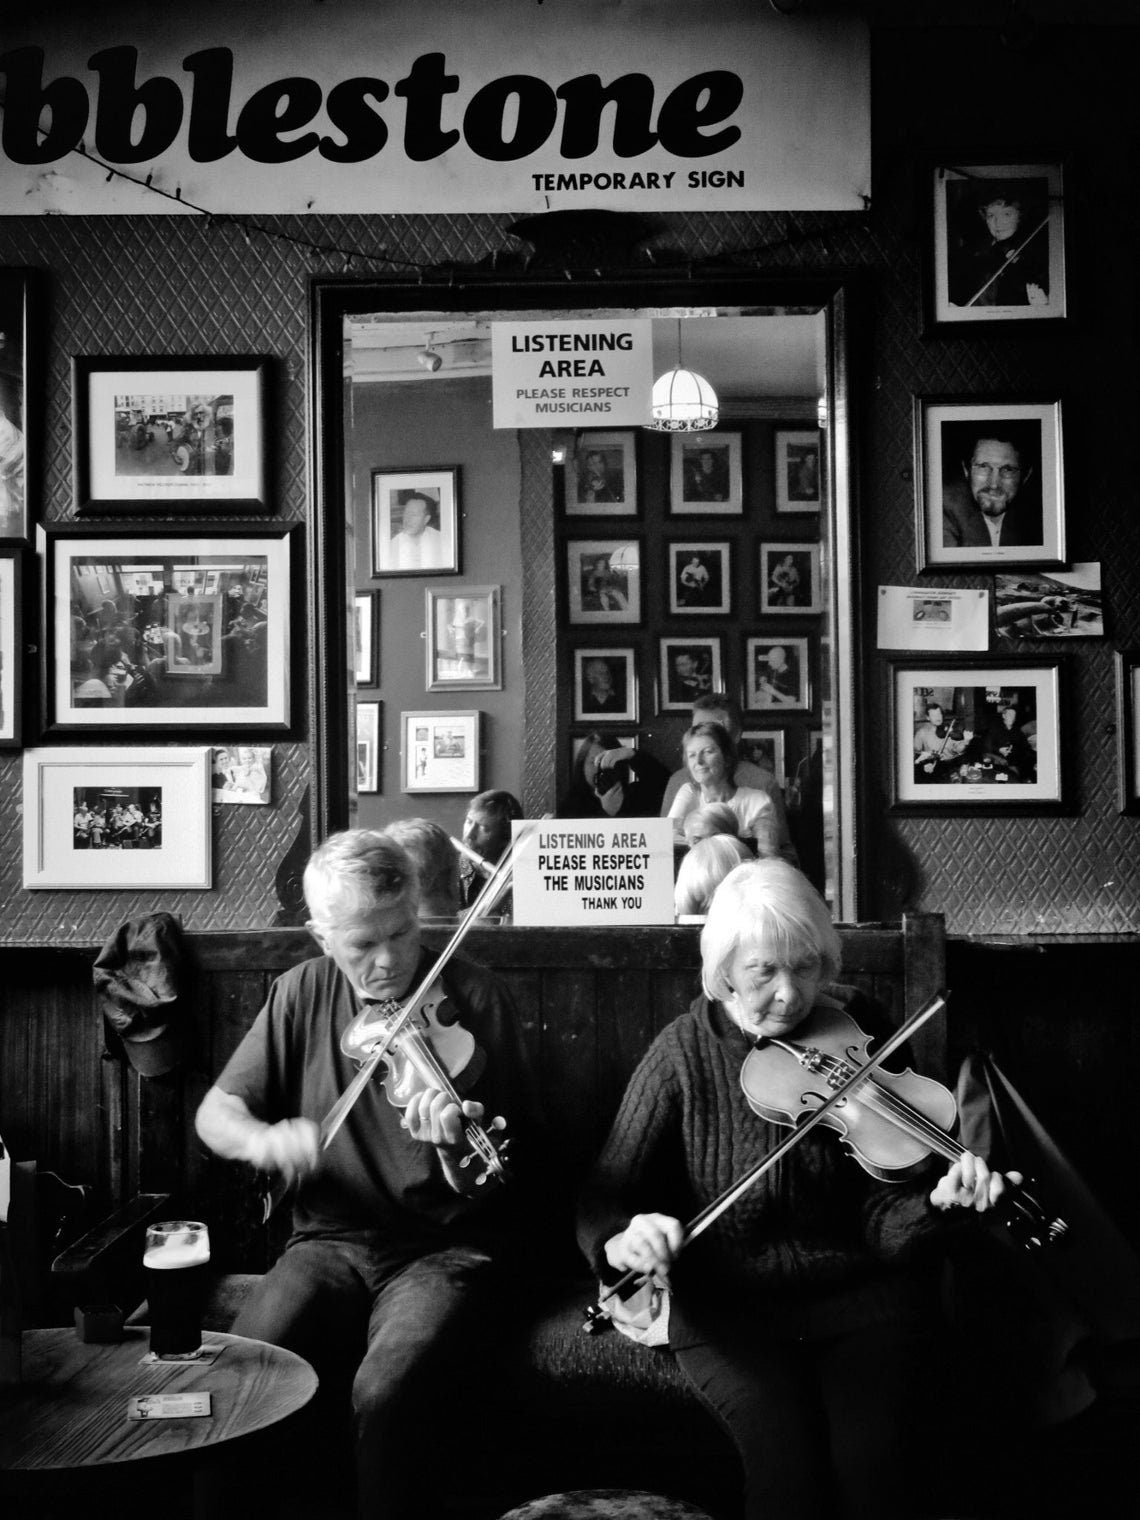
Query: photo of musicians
pixel 972 734
pixel 117 818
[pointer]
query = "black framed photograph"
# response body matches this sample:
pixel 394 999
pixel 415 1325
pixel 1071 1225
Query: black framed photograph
pixel 799 470
pixel 997 242
pixel 1128 729
pixel 441 750
pixel 368 746
pixel 18 348
pixel 705 474
pixel 605 686
pixel 160 435
pixel 601 474
pixel 699 577
pixel 777 674
pixel 789 578
pixel 976 734
pixel 463 632
pixel 767 748
pixel 989 482
pixel 366 638
pixel 688 669
pixel 149 628
pixel 11 648
pixel 415 521
pixel 117 818
pixel 603 580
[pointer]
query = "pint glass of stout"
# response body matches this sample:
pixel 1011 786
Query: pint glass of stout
pixel 176 1264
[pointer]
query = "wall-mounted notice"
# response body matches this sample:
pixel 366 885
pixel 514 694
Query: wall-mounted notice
pixel 572 374
pixel 593 871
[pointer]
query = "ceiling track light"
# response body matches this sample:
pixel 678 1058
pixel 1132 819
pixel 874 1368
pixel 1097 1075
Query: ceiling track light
pixel 427 358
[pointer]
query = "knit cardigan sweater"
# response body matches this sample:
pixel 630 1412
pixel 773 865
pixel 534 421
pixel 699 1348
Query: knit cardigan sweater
pixel 815 1246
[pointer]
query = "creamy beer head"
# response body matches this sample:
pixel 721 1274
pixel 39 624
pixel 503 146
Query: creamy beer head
pixel 176 1268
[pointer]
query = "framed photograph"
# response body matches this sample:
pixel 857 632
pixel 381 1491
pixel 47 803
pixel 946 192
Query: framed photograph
pixel 1128 729
pixel 699 578
pixel 603 580
pixel 601 475
pixel 1059 604
pixel 789 578
pixel 241 774
pixel 170 435
pixel 463 634
pixel 765 747
pixel 778 674
pixel 705 474
pixel 415 521
pixel 976 734
pixel 688 669
pixel 989 483
pixel 440 751
pixel 366 638
pixel 799 470
pixel 997 243
pixel 151 629
pixel 18 447
pixel 11 648
pixel 605 686
pixel 117 818
pixel 368 746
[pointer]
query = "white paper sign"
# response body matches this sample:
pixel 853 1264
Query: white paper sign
pixel 549 374
pixel 596 871
pixel 925 617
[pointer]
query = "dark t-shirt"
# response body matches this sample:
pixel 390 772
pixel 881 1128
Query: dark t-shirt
pixel 373 1176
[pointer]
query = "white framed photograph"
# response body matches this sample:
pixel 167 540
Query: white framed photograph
pixel 603 580
pixel 778 674
pixel 462 635
pixel 699 578
pixel 368 746
pixel 366 638
pixel 11 648
pixel 118 819
pixel 789 579
pixel 440 751
pixel 605 685
pixel 601 474
pixel 799 470
pixel 767 748
pixel 170 434
pixel 706 474
pixel 687 669
pixel 415 521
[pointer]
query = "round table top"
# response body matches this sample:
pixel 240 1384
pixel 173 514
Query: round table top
pixel 70 1409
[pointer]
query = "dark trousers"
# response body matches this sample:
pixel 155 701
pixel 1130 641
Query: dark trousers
pixel 392 1338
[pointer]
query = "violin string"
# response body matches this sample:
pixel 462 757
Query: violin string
pixel 900 1113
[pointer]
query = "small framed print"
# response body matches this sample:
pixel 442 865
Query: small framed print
pixel 603 580
pixel 170 435
pixel 789 578
pixel 415 522
pixel 989 483
pixel 1061 604
pixel 117 818
pixel 605 686
pixel 368 746
pixel 706 474
pixel 366 638
pixel 19 421
pixel 1128 729
pixel 765 747
pixel 241 774
pixel 778 674
pixel 688 669
pixel 440 751
pixel 699 578
pixel 601 475
pixel 463 634
pixel 799 470
pixel 997 243
pixel 11 648
pixel 976 735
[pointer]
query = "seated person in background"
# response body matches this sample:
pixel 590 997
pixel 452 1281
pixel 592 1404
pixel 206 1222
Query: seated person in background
pixel 610 780
pixel 436 862
pixel 719 707
pixel 710 757
pixel 706 822
pixel 703 869
pixel 1006 746
pixel 806 1315
pixel 487 833
pixel 386 1278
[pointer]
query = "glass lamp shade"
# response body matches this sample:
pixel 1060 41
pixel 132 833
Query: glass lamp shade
pixel 683 402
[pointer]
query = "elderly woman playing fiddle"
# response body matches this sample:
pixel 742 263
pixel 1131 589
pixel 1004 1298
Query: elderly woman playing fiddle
pixel 710 759
pixel 805 1315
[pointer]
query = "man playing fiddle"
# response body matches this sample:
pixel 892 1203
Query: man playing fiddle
pixel 939 745
pixel 389 1265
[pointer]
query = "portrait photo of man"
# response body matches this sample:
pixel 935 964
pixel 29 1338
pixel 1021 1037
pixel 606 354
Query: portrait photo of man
pixel 415 521
pixel 417 543
pixel 602 682
pixel 991 493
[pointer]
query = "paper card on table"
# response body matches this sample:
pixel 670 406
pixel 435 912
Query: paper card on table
pixel 938 617
pixel 169 1406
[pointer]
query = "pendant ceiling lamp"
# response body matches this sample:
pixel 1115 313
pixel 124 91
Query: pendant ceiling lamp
pixel 683 401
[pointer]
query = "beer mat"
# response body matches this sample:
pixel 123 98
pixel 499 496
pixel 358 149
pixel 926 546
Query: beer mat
pixel 169 1406
pixel 200 1358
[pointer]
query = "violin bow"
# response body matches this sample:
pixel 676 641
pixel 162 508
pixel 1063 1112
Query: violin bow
pixel 1009 259
pixel 595 1314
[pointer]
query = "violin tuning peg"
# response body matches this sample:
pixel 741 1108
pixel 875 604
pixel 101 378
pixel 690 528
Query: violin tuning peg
pixel 497 1123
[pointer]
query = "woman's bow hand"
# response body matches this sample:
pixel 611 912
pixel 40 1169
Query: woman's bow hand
pixel 648 1244
pixel 969 1184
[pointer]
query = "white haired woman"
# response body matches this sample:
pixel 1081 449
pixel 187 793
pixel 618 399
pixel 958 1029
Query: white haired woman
pixel 805 1316
pixel 703 869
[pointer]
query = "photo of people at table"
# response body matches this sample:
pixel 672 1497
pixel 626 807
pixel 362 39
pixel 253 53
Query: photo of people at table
pixel 974 734
pixel 117 818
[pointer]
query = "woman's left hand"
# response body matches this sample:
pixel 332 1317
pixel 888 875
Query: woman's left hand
pixel 969 1184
